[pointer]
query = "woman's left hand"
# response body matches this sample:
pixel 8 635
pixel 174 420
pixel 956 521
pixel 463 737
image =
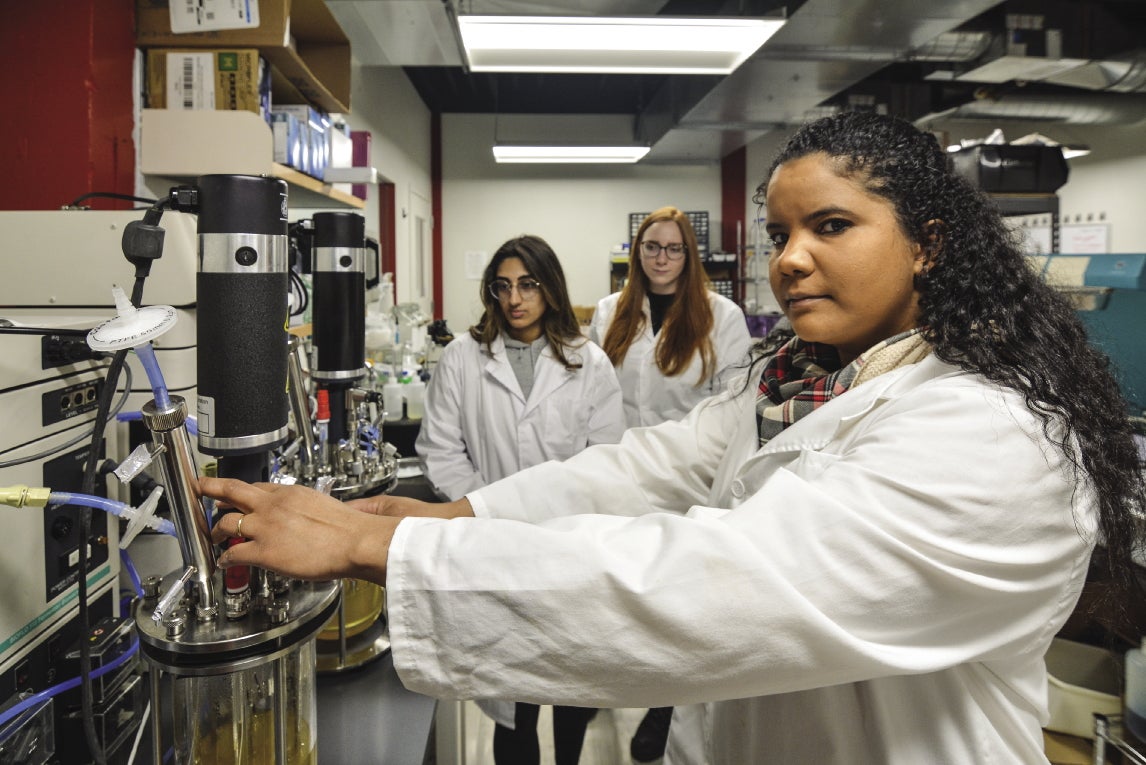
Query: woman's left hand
pixel 299 532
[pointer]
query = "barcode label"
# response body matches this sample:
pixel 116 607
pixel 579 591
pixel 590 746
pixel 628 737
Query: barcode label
pixel 188 88
pixel 189 16
pixel 190 81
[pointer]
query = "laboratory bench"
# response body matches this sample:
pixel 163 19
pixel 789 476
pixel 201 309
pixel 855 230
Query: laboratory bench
pixel 365 714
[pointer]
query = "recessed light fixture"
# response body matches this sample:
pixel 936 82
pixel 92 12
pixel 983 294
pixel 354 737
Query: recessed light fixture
pixel 569 154
pixel 646 45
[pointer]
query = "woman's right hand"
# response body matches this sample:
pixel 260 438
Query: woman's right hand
pixel 403 507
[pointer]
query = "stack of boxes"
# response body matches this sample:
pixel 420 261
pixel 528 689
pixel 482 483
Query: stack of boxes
pixel 231 69
pixel 209 79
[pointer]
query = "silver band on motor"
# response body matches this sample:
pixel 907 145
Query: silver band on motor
pixel 243 443
pixel 219 253
pixel 327 259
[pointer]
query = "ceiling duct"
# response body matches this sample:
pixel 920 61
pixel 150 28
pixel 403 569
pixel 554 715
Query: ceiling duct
pixel 1125 74
pixel 1069 109
pixel 953 47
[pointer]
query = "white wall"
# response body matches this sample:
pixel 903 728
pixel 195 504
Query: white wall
pixel 581 210
pixel 384 103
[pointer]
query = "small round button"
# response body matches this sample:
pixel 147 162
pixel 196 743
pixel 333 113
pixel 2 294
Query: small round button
pixel 246 256
pixel 738 488
pixel 345 261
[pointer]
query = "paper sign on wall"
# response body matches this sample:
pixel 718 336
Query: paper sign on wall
pixel 1089 239
pixel 475 264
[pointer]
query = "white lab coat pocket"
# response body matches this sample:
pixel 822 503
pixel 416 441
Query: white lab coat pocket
pixel 566 426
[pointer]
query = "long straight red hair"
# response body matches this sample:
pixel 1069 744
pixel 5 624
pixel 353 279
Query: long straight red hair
pixel 688 322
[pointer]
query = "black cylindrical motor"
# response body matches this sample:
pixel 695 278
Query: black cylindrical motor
pixel 338 268
pixel 242 312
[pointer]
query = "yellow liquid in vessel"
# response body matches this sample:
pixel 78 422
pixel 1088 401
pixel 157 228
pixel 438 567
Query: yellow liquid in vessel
pixel 363 603
pixel 256 744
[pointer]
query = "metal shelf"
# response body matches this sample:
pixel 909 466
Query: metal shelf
pixel 186 144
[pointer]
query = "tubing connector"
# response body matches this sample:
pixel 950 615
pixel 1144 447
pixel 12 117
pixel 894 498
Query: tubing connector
pixel 20 496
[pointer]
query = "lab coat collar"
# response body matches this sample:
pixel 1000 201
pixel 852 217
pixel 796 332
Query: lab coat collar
pixel 497 366
pixel 817 429
pixel 549 375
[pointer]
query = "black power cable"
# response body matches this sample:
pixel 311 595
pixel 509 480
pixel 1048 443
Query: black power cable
pixel 142 245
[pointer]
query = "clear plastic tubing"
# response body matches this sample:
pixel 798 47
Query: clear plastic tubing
pixel 116 508
pixel 146 356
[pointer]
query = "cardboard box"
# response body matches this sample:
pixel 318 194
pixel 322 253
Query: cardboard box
pixel 208 79
pixel 300 38
pixel 290 147
pixel 312 127
pixel 153 28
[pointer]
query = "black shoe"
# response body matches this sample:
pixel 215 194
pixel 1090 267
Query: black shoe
pixel 648 742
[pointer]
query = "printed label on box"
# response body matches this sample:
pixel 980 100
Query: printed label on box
pixel 190 80
pixel 209 15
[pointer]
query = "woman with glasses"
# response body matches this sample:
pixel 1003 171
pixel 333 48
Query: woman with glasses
pixel 674 342
pixel 521 387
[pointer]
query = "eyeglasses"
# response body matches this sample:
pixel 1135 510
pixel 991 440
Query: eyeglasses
pixel 500 289
pixel 652 250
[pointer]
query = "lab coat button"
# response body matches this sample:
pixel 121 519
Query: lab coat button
pixel 738 488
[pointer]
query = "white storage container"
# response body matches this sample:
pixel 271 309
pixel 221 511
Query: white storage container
pixel 1084 679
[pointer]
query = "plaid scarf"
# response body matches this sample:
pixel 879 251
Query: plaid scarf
pixel 801 377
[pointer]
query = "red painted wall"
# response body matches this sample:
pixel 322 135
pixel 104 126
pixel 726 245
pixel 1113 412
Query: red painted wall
pixel 67 82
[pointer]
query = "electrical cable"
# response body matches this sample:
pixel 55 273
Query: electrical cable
pixel 46 331
pixel 15 711
pixel 298 286
pixel 127 379
pixel 111 195
pixel 90 471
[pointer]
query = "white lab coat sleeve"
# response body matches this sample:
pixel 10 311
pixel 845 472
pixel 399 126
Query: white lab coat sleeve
pixel 602 315
pixel 441 439
pixel 606 409
pixel 733 343
pixel 941 531
pixel 667 467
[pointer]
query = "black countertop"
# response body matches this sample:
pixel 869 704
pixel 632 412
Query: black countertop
pixel 366 715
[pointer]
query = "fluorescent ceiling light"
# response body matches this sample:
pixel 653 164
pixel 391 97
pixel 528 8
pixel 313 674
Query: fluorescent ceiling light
pixel 569 154
pixel 647 45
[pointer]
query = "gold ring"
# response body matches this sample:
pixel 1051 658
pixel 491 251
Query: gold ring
pixel 239 528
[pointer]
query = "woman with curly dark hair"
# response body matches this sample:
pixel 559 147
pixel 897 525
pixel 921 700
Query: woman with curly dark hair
pixel 859 555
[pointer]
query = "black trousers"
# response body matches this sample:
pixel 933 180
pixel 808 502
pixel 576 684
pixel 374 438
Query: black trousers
pixel 520 746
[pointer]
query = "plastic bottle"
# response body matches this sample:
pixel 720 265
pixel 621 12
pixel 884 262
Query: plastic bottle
pixel 392 400
pixel 1136 691
pixel 415 397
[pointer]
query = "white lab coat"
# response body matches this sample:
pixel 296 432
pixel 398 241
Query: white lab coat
pixel 652 398
pixel 877 584
pixel 478 427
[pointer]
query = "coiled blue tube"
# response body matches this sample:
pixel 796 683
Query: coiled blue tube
pixel 146 356
pixel 118 509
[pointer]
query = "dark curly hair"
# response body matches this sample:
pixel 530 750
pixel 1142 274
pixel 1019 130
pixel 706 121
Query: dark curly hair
pixel 985 309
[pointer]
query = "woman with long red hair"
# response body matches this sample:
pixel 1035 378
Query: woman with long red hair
pixel 673 342
pixel 672 339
